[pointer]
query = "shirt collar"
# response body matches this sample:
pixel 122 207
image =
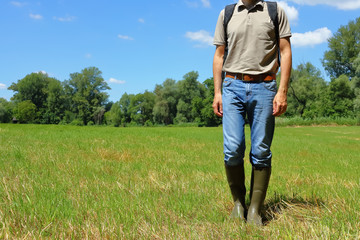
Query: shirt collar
pixel 242 6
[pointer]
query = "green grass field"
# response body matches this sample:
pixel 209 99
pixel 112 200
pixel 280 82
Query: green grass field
pixel 169 183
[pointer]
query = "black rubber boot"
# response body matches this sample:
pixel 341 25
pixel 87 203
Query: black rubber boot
pixel 259 183
pixel 236 179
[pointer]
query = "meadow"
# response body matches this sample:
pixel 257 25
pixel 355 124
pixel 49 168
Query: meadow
pixel 73 182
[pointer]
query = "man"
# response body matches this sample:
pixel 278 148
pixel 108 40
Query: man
pixel 250 91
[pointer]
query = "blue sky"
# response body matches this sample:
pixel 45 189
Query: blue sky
pixel 138 44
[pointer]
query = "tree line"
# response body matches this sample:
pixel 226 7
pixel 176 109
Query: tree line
pixel 82 99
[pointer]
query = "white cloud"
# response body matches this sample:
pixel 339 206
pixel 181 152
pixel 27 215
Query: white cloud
pixel 113 80
pixel 206 3
pixel 196 4
pixel 141 20
pixel 125 37
pixel 291 12
pixel 311 39
pixel 349 5
pixel 18 4
pixel 203 37
pixel 65 19
pixel 343 5
pixel 35 16
pixel 192 4
pixel 88 55
pixel 2 86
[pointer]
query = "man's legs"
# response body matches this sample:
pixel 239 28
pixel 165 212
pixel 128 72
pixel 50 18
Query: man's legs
pixel 234 143
pixel 262 124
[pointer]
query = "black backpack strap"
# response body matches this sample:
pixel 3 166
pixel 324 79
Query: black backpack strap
pixel 272 9
pixel 229 10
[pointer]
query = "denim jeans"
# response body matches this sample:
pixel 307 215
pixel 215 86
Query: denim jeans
pixel 254 100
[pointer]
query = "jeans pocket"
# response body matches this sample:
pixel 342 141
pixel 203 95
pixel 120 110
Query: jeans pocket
pixel 227 82
pixel 271 85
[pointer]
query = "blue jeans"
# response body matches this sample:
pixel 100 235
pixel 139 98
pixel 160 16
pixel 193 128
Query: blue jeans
pixel 254 100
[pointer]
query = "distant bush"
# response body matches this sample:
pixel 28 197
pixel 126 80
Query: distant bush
pixel 298 121
pixel 25 111
pixel 77 122
pixel 148 123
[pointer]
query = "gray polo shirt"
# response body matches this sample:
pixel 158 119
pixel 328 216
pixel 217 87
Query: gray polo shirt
pixel 251 38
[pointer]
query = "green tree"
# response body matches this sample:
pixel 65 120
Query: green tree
pixel 183 110
pixel 124 103
pixel 55 102
pixel 355 85
pixel 86 93
pixel 162 113
pixel 306 91
pixel 25 111
pixel 119 114
pixel 115 115
pixel 6 110
pixel 196 106
pixel 141 107
pixel 166 99
pixel 98 115
pixel 344 48
pixel 189 89
pixel 208 117
pixel 339 98
pixel 39 88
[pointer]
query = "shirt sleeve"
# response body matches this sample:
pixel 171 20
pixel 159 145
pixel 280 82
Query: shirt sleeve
pixel 219 38
pixel 284 26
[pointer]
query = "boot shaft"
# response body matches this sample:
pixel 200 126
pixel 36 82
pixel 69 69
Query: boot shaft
pixel 259 185
pixel 236 180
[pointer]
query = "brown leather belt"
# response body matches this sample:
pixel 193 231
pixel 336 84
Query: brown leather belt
pixel 248 77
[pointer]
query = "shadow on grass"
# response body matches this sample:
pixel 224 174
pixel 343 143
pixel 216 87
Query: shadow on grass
pixel 277 204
